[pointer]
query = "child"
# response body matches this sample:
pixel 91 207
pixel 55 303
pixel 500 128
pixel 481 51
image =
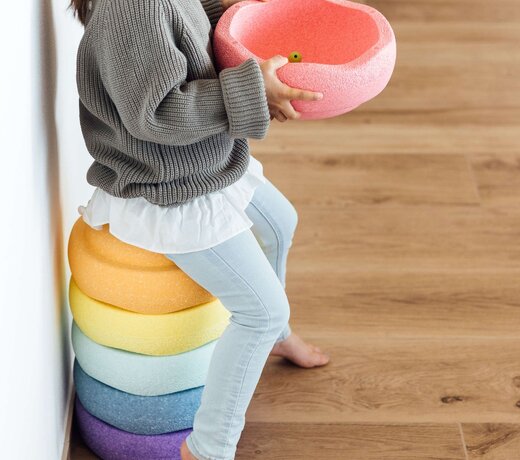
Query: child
pixel 173 174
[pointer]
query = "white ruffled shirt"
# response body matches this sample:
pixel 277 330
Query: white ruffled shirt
pixel 198 224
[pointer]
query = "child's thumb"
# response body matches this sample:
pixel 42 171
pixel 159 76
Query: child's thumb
pixel 279 61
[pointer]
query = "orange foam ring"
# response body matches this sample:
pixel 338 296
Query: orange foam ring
pixel 112 271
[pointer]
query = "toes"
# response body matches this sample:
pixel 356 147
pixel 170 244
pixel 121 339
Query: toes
pixel 321 359
pixel 316 350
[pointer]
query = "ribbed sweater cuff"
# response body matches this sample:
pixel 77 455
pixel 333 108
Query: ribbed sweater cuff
pixel 245 100
pixel 214 9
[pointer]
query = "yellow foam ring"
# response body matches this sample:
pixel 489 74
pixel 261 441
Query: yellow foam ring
pixel 158 335
pixel 112 271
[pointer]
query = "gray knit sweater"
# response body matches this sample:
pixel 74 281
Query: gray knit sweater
pixel 157 117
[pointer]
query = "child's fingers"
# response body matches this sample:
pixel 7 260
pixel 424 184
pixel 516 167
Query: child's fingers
pixel 280 116
pixel 303 95
pixel 276 62
pixel 289 112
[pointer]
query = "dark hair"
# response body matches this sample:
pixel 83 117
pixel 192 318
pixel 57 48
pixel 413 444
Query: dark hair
pixel 80 8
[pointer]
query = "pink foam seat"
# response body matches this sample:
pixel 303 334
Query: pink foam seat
pixel 348 49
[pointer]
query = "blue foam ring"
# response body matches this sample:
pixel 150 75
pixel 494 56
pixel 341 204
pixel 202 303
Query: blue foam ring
pixel 136 414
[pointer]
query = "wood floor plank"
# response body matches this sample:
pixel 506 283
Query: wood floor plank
pixel 281 441
pixel 419 132
pixel 78 449
pixel 442 11
pixel 492 441
pixel 456 32
pixel 391 380
pixel 81 452
pixel 339 304
pixel 425 76
pixel 394 239
pixel 344 179
pixel 498 179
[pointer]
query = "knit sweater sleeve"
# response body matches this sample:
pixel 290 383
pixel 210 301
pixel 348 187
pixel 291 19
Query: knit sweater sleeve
pixel 214 9
pixel 144 73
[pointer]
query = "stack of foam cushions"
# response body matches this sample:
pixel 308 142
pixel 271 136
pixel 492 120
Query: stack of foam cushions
pixel 143 333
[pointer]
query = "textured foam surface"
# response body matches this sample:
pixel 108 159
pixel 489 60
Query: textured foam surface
pixel 138 374
pixel 137 414
pixel 348 49
pixel 159 335
pixel 109 443
pixel 114 272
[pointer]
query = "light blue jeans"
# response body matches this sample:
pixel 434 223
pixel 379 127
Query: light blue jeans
pixel 247 274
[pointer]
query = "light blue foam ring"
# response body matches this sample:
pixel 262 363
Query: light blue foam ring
pixel 142 375
pixel 136 414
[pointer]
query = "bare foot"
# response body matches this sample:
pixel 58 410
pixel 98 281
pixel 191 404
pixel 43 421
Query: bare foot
pixel 185 453
pixel 299 352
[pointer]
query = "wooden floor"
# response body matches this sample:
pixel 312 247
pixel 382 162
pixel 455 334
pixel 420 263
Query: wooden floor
pixel 406 262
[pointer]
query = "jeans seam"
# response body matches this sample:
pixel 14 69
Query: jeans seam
pixel 276 232
pixel 252 353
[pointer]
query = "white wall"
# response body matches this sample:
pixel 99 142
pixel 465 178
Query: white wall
pixel 43 163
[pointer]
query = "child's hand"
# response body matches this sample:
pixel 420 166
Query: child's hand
pixel 279 94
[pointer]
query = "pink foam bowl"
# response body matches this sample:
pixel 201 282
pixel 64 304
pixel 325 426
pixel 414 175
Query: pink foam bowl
pixel 348 49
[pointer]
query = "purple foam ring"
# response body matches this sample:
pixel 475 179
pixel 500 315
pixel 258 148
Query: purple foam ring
pixel 110 443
